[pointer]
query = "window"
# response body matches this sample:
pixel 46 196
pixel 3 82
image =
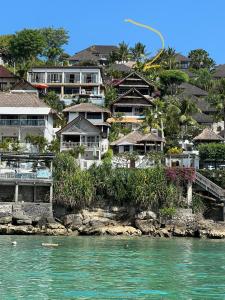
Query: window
pixel 123 109
pixel 93 115
pixel 72 77
pixel 37 77
pixel 126 148
pixel 54 78
pixel 3 86
pixel 90 78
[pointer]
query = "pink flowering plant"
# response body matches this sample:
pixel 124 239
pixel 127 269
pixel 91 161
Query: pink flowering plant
pixel 180 175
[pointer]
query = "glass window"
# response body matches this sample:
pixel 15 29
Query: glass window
pixel 89 77
pixel 126 148
pixel 37 77
pixel 72 77
pixel 93 115
pixel 54 78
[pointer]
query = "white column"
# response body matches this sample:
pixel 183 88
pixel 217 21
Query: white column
pixel 51 193
pixel 189 193
pixel 16 192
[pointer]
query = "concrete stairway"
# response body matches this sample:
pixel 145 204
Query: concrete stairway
pixel 210 186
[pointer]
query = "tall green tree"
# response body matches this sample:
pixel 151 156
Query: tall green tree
pixel 171 79
pixel 138 52
pixel 5 52
pixel 200 59
pixel 27 45
pixel 123 52
pixel 216 97
pixel 203 79
pixel 55 39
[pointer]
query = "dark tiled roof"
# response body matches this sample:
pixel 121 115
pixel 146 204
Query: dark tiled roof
pixel 94 52
pixel 208 135
pixel 150 137
pixel 23 85
pixel 20 100
pixel 132 92
pixel 5 73
pixel 202 118
pixel 136 137
pixel 120 67
pixel 131 138
pixel 86 107
pixel 219 71
pixel 181 58
pixel 190 89
pixel 79 125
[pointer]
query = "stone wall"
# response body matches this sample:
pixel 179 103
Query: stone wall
pixel 24 213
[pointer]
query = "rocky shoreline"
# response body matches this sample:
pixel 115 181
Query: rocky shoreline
pixel 117 221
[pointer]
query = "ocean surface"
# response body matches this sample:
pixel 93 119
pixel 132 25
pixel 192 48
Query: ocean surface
pixel 111 268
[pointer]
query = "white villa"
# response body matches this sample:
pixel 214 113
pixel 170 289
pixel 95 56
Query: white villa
pixel 70 82
pixel 22 114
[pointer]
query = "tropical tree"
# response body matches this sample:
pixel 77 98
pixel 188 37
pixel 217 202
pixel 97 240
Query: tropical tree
pixel 200 59
pixel 52 100
pixel 203 79
pixel 27 45
pixel 5 41
pixel 123 52
pixel 216 97
pixel 171 79
pixel 110 95
pixel 138 52
pixel 54 39
pixel 168 59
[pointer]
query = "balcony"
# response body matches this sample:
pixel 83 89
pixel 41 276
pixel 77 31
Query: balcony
pixel 22 122
pixel 87 145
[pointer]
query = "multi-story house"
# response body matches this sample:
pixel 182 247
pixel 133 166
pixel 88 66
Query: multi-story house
pixel 136 81
pixel 70 83
pixel 23 114
pixel 87 138
pixel 92 133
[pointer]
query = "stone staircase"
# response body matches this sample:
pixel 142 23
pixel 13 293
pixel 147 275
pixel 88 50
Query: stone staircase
pixel 210 187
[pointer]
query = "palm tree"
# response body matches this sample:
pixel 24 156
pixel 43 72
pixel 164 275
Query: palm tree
pixel 138 52
pixel 217 98
pixel 123 52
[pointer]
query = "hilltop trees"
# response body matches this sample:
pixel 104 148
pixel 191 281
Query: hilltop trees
pixel 200 59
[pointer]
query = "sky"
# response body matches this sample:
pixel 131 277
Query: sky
pixel 184 24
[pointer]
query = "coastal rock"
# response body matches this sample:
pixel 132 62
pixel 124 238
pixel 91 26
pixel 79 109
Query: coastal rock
pixel 147 227
pixel 6 220
pixel 112 230
pixel 73 219
pixel 25 221
pixel 145 215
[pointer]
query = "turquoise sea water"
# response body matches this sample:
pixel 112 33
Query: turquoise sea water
pixel 111 268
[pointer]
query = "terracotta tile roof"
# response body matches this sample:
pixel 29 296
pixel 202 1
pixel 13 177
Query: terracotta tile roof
pixel 208 135
pixel 20 100
pixel 86 107
pixel 5 73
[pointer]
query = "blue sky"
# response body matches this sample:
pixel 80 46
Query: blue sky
pixel 185 25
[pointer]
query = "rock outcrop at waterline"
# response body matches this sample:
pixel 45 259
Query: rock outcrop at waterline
pixel 120 221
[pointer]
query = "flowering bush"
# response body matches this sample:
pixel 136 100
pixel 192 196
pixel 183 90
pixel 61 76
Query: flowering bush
pixel 181 175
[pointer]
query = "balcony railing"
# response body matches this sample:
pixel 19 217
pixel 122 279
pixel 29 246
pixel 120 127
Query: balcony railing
pixel 71 145
pixel 22 122
pixel 28 176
